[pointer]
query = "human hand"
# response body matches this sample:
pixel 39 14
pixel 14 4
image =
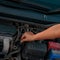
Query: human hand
pixel 27 36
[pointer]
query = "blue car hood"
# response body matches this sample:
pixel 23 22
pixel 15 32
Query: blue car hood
pixel 31 10
pixel 52 4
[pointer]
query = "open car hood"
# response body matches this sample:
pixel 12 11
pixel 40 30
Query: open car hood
pixel 49 4
pixel 31 10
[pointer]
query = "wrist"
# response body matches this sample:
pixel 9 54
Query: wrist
pixel 34 37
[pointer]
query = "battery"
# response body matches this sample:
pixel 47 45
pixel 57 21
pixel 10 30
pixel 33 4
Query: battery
pixel 53 45
pixel 54 54
pixel 56 51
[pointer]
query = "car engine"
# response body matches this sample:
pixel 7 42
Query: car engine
pixel 12 49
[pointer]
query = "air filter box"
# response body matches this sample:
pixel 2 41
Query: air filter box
pixel 35 49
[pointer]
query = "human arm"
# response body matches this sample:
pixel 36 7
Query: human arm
pixel 50 33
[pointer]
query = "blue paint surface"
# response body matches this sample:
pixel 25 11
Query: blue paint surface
pixel 51 4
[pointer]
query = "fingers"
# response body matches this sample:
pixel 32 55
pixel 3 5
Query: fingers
pixel 23 36
pixel 26 36
pixel 23 40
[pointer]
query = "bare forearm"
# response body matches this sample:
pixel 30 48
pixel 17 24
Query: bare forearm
pixel 50 33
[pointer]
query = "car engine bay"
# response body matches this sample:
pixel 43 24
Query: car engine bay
pixel 12 49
